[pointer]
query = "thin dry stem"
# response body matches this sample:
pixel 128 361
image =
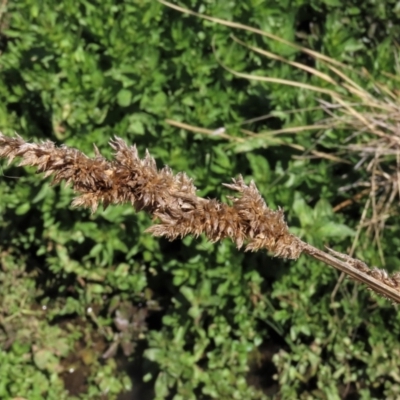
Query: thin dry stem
pixel 172 201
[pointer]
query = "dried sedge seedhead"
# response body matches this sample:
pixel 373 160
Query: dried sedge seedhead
pixel 265 228
pixel 248 219
pixel 169 198
pixel 126 179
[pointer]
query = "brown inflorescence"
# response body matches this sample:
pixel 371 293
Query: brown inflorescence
pixel 170 199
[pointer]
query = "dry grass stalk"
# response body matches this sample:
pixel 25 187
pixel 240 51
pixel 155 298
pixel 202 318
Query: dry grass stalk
pixel 172 201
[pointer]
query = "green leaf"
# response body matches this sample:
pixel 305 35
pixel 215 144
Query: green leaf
pixel 46 360
pixel 260 167
pixel 124 97
pixel 332 229
pixel 23 209
pixel 303 211
pixel 161 386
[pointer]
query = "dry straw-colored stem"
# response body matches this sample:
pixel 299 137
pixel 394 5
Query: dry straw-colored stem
pixel 173 203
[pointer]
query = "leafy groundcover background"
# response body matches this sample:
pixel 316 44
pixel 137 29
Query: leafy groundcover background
pixel 201 321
